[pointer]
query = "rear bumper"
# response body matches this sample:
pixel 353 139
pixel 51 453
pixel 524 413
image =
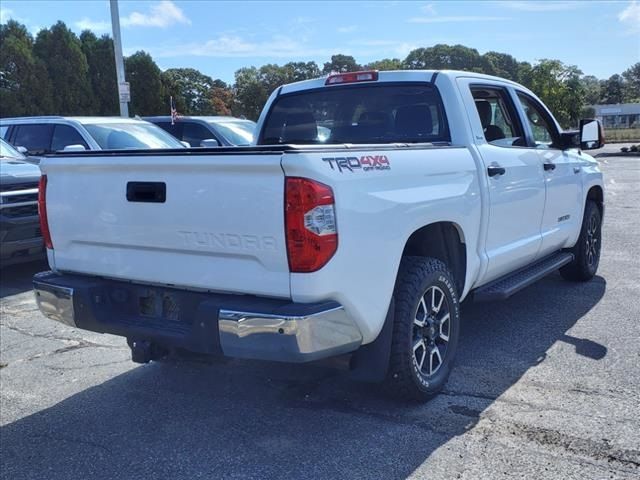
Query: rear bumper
pixel 239 326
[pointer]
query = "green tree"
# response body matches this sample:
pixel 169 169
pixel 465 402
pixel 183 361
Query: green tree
pixel 592 89
pixel 102 72
pixel 61 51
pixel 250 93
pixel 298 71
pixel 632 83
pixel 193 87
pixel 385 64
pixel 613 89
pixel 454 57
pixel 341 63
pixel 147 92
pixel 25 88
pixel 502 65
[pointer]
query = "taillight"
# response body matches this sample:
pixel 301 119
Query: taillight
pixel 352 77
pixel 312 236
pixel 42 211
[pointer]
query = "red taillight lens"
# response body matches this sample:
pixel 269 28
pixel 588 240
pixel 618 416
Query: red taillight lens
pixel 312 236
pixel 42 211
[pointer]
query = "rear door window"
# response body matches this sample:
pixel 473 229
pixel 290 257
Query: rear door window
pixel 36 138
pixel 64 135
pixel 500 122
pixel 383 113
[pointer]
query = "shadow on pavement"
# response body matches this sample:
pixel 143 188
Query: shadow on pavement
pixel 16 279
pixel 245 419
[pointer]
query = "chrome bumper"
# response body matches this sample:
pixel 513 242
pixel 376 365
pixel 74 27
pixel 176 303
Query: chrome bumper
pixel 320 334
pixel 236 326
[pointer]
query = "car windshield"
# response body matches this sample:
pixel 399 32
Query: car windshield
pixel 120 136
pixel 409 113
pixel 7 151
pixel 239 132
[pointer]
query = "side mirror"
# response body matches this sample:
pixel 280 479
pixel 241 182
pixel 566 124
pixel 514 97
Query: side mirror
pixel 22 150
pixel 74 148
pixel 591 134
pixel 209 143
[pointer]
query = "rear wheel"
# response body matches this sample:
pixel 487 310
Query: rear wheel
pixel 426 328
pixel 587 250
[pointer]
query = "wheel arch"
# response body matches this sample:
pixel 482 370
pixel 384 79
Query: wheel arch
pixel 442 240
pixel 596 194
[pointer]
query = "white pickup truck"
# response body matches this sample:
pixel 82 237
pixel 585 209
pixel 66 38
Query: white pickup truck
pixel 370 206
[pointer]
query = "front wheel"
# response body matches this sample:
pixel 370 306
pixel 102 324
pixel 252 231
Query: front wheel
pixel 587 250
pixel 426 328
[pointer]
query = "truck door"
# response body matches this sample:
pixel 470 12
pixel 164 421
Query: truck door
pixel 513 174
pixel 561 168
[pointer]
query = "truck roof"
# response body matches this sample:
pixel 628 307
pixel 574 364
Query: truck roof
pixel 398 76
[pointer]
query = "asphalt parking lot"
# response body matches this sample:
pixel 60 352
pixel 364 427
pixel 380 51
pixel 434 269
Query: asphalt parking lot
pixel 547 385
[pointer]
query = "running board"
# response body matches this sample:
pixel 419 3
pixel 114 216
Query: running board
pixel 506 286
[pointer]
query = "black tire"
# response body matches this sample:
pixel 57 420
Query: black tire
pixel 587 249
pixel 408 377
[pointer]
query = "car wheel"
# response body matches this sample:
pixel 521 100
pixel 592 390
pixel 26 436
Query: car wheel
pixel 587 250
pixel 425 330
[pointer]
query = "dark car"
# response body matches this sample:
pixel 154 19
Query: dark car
pixel 213 131
pixel 20 237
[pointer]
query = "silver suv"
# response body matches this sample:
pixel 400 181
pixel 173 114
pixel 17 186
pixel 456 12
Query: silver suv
pixel 42 135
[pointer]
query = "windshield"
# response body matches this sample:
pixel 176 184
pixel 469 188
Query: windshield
pixel 119 136
pixel 8 151
pixel 403 113
pixel 237 132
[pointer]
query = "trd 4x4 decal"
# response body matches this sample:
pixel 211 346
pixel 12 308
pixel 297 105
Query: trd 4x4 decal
pixel 366 163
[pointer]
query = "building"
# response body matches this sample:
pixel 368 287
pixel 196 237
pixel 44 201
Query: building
pixel 620 115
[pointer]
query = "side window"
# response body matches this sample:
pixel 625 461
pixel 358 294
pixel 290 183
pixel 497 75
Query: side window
pixel 500 123
pixel 35 138
pixel 175 129
pixel 194 133
pixel 543 131
pixel 64 135
pixel 3 131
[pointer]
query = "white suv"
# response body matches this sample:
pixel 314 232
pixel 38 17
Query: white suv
pixel 43 135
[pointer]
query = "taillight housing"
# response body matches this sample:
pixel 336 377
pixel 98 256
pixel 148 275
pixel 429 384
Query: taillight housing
pixel 42 211
pixel 352 77
pixel 310 224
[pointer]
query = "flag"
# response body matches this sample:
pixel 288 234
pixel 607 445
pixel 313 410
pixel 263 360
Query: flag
pixel 174 112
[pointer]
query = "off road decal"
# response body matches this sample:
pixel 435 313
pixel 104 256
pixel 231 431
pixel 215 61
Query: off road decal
pixel 364 163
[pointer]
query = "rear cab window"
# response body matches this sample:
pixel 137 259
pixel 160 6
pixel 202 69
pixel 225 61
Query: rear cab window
pixel 367 114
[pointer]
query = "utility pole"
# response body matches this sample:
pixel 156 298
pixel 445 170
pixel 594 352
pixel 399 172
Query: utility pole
pixel 123 86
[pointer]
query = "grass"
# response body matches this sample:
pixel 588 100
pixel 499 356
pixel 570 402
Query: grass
pixel 622 135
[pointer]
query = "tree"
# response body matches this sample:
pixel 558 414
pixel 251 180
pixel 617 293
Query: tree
pixel 341 64
pixel 385 64
pixel 147 93
pixel 592 89
pixel 454 57
pixel 502 65
pixel 632 83
pixel 250 93
pixel 102 72
pixel 613 90
pixel 298 71
pixel 221 100
pixel 61 51
pixel 25 88
pixel 559 87
pixel 192 87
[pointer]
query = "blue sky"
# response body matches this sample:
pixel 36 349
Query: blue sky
pixel 217 38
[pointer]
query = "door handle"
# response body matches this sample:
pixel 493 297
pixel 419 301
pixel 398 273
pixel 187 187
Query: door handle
pixel 549 166
pixel 577 169
pixel 495 170
pixel 147 192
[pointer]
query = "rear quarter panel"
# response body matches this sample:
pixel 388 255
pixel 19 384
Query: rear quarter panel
pixel 377 211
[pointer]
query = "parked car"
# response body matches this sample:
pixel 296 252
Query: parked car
pixel 20 237
pixel 423 189
pixel 44 135
pixel 223 131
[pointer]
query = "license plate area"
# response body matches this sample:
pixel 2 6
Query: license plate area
pixel 159 304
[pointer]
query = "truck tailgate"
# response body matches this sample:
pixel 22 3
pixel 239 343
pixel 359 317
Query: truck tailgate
pixel 220 226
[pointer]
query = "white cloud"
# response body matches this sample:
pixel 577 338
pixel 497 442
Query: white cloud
pixel 538 6
pixel 227 46
pixel 630 16
pixel 348 29
pixel 456 19
pixel 163 14
pixel 429 8
pixel 5 14
pixel 94 26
